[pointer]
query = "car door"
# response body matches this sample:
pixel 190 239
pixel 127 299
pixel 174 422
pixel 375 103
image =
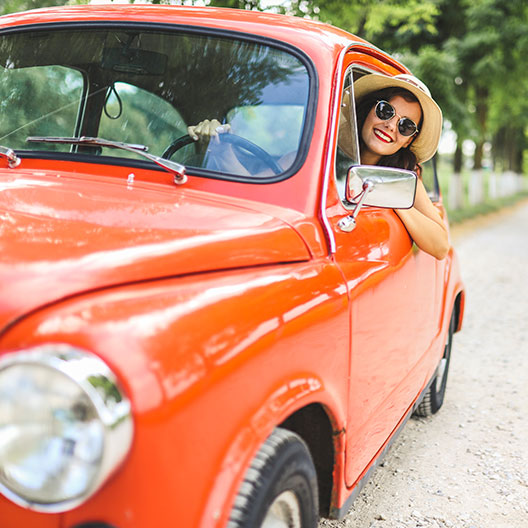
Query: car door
pixel 391 287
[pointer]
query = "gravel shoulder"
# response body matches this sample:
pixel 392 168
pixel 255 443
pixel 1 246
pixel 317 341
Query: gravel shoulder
pixel 467 466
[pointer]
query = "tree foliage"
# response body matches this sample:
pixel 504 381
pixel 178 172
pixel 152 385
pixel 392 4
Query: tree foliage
pixel 12 6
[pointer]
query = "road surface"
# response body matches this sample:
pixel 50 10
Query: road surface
pixel 467 466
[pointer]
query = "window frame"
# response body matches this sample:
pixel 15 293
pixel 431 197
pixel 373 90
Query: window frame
pixel 355 71
pixel 304 59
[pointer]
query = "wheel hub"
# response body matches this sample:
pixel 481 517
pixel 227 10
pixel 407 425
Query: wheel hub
pixel 284 512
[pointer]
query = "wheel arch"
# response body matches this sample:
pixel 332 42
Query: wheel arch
pixel 459 305
pixel 313 424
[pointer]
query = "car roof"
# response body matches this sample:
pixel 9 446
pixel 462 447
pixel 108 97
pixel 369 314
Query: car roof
pixel 309 35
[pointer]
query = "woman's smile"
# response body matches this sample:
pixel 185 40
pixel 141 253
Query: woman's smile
pixel 382 136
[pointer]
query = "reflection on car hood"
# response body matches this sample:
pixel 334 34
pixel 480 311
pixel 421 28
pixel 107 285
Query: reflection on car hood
pixel 61 235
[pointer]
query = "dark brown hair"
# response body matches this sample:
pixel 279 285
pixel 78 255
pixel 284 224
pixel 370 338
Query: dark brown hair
pixel 403 158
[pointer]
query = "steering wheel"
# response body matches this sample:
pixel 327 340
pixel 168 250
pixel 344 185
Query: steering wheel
pixel 237 142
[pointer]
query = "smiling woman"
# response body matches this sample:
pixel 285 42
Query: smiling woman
pixel 399 125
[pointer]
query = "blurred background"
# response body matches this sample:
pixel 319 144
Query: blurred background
pixel 471 55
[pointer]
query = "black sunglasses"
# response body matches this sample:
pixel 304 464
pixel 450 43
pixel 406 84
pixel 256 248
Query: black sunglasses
pixel 406 126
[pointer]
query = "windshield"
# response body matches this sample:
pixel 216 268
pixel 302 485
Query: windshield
pixel 146 87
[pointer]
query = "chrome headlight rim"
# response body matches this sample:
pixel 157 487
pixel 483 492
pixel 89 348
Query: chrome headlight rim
pixel 112 407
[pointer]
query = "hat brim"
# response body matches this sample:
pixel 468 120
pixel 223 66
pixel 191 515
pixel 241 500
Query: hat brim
pixel 426 142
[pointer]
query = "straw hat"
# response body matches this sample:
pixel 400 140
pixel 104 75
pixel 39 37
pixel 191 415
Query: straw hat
pixel 426 142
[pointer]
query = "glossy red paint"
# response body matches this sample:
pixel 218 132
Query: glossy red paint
pixel 140 231
pixel 224 307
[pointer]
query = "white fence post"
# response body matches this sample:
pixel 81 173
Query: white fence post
pixel 476 187
pixel 499 185
pixel 493 186
pixel 455 196
pixel 509 183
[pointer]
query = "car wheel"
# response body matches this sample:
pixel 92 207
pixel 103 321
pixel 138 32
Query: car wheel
pixel 280 487
pixel 434 397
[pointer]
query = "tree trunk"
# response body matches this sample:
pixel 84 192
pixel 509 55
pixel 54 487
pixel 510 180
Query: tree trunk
pixel 518 162
pixel 481 94
pixel 455 197
pixel 498 153
pixel 458 159
pixel 478 156
pixel 516 152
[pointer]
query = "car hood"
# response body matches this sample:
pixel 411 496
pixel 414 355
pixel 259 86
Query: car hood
pixel 62 234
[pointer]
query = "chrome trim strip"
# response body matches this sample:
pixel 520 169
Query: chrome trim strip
pixel 326 175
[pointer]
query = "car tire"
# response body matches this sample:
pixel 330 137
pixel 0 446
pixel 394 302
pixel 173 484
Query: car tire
pixel 434 397
pixel 280 486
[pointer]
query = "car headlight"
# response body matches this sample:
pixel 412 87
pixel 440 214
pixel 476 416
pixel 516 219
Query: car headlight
pixel 65 425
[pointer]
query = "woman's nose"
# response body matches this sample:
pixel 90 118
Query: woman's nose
pixel 391 123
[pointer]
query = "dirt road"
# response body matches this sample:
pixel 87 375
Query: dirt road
pixel 467 466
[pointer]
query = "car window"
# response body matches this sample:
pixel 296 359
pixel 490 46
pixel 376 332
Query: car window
pixel 347 154
pixel 145 87
pixel 137 116
pixel 275 128
pixel 38 100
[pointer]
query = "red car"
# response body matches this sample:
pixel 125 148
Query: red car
pixel 183 344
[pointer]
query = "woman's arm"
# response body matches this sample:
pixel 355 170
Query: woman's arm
pixel 425 225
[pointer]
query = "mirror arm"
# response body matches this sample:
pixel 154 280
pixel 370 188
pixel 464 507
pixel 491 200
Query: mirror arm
pixel 348 223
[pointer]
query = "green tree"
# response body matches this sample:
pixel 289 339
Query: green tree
pixel 13 6
pixel 490 54
pixel 371 20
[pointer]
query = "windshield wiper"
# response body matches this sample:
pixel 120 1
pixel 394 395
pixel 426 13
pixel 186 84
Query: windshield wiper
pixel 9 155
pixel 174 168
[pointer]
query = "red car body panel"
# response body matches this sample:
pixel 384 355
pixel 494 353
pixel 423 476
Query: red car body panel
pixel 223 307
pixel 82 234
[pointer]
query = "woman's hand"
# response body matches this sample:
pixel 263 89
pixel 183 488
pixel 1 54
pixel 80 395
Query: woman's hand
pixel 222 157
pixel 207 130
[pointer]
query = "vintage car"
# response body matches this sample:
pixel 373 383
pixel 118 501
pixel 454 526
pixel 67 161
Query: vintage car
pixel 185 345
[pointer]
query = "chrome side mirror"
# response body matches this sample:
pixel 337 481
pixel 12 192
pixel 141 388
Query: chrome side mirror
pixel 377 187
